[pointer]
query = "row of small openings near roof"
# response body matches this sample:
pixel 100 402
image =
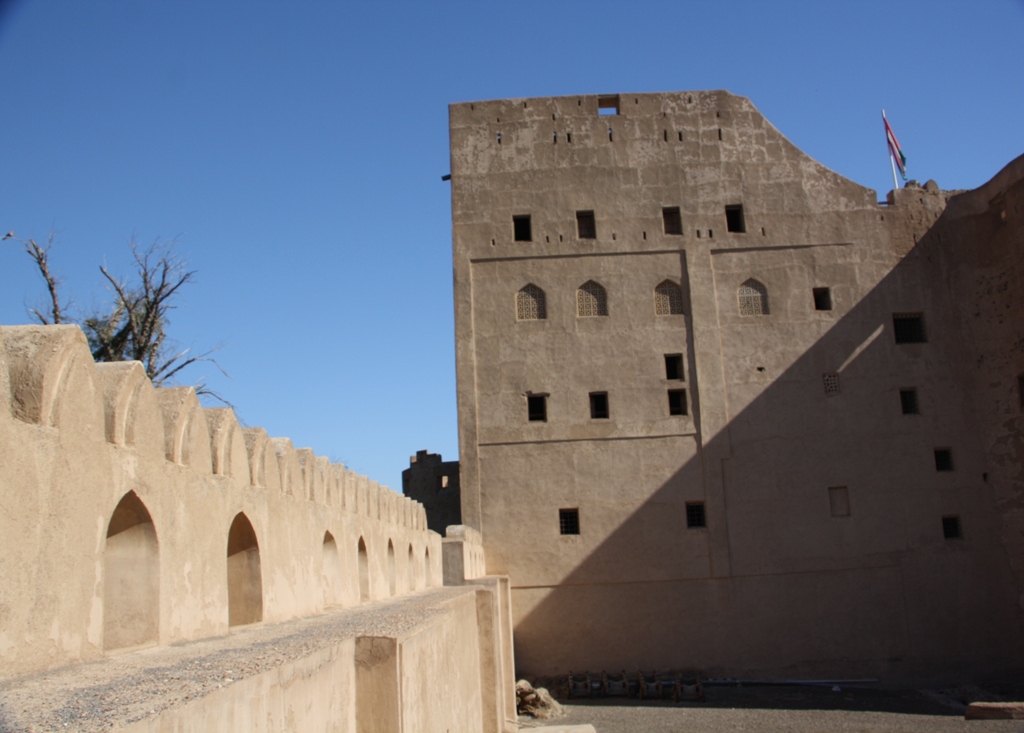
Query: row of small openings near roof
pixel 586 224
pixel 600 406
pixel 592 301
pixel 569 518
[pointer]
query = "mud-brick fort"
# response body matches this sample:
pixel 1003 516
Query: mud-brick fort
pixel 720 411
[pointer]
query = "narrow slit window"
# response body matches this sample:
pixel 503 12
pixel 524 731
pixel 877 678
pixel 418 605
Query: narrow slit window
pixel 822 299
pixel 537 407
pixel 943 459
pixel 677 402
pixel 1020 390
pixel 695 516
pixel 734 221
pixel 668 299
pixel 586 226
pixel 521 228
pixel 908 402
pixel 674 367
pixel 908 328
pixel 599 406
pixel 568 521
pixel 951 528
pixel 673 220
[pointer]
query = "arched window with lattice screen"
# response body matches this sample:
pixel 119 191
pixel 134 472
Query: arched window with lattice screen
pixel 668 299
pixel 531 305
pixel 591 299
pixel 753 298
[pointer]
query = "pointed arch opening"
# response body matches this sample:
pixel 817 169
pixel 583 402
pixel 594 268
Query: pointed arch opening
pixel 131 577
pixel 753 297
pixel 531 304
pixel 245 579
pixel 364 572
pixel 392 574
pixel 331 571
pixel 410 567
pixel 591 300
pixel 668 299
pixel 428 575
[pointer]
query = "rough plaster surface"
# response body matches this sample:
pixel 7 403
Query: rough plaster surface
pixel 774 584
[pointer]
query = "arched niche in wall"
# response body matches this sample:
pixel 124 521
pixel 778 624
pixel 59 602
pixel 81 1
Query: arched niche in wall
pixel 428 576
pixel 364 572
pixel 332 571
pixel 131 577
pixel 245 580
pixel 392 574
pixel 410 567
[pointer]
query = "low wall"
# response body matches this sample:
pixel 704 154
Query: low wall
pixel 403 665
pixel 134 516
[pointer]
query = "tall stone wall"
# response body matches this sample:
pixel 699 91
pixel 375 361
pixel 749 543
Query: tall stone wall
pixel 133 516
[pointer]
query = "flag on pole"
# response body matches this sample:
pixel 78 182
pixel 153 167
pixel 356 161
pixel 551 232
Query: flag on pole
pixel 894 148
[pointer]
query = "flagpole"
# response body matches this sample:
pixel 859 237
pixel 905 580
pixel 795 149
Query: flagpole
pixel 892 162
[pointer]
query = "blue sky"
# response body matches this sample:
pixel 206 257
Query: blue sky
pixel 295 149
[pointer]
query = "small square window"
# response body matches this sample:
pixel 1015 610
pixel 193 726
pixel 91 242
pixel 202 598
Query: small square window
pixel 951 528
pixel 839 501
pixel 909 328
pixel 608 105
pixel 831 381
pixel 586 227
pixel 677 402
pixel 734 219
pixel 674 367
pixel 943 459
pixel 599 405
pixel 522 229
pixel 822 299
pixel 569 521
pixel 537 407
pixel 908 401
pixel 695 518
pixel 673 221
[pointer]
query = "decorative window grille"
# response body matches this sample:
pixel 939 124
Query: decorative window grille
pixel 831 381
pixel 591 300
pixel 909 328
pixel 668 299
pixel 569 521
pixel 531 304
pixel 753 299
pixel 695 517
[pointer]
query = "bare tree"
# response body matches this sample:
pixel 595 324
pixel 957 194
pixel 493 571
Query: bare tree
pixel 134 326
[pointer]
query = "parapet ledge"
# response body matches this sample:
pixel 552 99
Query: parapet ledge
pixel 462 554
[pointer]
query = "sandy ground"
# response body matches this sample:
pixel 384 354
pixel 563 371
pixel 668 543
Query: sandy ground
pixel 789 709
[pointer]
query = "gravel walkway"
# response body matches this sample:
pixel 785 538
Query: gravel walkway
pixel 782 709
pixel 122 689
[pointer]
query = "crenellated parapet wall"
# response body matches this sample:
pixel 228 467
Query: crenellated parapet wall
pixel 134 516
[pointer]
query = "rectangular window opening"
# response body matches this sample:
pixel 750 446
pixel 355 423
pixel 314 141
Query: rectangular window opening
pixel 677 402
pixel 521 228
pixel 586 226
pixel 908 401
pixel 608 104
pixel 674 366
pixel 537 407
pixel 831 382
pixel 822 299
pixel 951 528
pixel 943 459
pixel 734 219
pixel 569 521
pixel 599 405
pixel 673 220
pixel 1020 390
pixel 839 501
pixel 695 516
pixel 908 328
